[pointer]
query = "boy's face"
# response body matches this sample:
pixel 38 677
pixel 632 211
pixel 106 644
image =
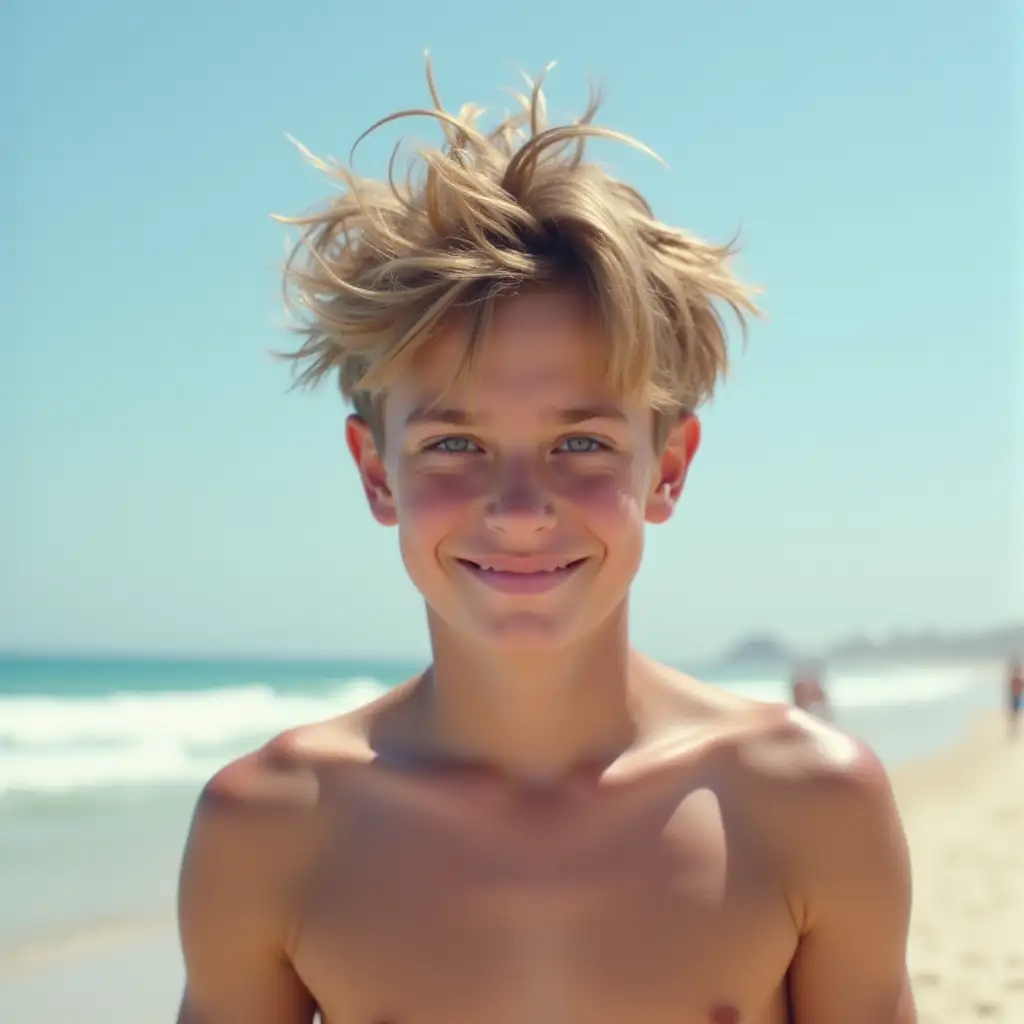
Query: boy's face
pixel 521 494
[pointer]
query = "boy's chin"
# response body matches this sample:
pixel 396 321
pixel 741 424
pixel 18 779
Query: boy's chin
pixel 515 632
pixel 524 632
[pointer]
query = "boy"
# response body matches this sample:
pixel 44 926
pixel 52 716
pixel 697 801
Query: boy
pixel 545 827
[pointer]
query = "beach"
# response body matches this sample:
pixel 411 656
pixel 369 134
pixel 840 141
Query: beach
pixel 87 873
pixel 964 816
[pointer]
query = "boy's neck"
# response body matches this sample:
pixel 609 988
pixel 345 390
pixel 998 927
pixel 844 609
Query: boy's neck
pixel 538 716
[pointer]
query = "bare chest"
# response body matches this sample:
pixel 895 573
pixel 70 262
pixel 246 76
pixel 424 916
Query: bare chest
pixel 651 918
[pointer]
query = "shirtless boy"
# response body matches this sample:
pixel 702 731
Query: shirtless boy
pixel 545 826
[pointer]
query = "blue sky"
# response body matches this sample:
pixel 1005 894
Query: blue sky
pixel 160 489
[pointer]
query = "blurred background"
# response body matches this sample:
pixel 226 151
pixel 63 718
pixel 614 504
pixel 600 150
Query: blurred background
pixel 186 562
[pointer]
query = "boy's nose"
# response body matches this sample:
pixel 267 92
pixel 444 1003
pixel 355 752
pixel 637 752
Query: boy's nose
pixel 520 506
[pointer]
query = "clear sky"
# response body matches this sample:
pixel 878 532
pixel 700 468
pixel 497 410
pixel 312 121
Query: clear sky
pixel 160 489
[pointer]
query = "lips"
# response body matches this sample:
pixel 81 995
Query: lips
pixel 524 574
pixel 524 565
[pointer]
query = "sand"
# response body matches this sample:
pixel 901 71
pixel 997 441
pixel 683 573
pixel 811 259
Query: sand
pixel 964 815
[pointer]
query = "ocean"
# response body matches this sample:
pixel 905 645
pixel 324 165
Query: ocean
pixel 101 761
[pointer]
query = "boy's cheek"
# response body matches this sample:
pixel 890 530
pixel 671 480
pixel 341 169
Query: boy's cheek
pixel 437 495
pixel 605 499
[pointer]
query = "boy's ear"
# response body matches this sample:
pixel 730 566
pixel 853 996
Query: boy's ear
pixel 367 458
pixel 680 447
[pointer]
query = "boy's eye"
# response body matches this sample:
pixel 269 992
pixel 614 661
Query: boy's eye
pixel 581 445
pixel 454 445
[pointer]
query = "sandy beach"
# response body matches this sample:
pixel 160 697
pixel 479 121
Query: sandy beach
pixel 964 815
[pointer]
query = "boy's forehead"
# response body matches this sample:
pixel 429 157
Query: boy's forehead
pixel 539 333
pixel 541 350
pixel 544 309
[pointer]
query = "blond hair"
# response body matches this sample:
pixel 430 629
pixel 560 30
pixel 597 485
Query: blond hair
pixel 378 268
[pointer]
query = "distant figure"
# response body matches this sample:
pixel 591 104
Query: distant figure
pixel 1015 692
pixel 809 693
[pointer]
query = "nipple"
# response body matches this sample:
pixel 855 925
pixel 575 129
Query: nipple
pixel 724 1015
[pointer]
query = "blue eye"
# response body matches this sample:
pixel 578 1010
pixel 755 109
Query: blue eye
pixel 454 445
pixel 581 445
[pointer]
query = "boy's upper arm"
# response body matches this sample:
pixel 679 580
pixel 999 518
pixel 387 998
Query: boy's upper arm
pixel 849 877
pixel 238 880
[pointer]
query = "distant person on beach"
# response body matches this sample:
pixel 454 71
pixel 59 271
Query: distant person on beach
pixel 1015 693
pixel 544 825
pixel 809 694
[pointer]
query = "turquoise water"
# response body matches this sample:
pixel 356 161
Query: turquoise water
pixel 94 677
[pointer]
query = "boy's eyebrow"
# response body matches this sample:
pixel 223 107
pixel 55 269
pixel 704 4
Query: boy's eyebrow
pixel 460 417
pixel 435 414
pixel 593 412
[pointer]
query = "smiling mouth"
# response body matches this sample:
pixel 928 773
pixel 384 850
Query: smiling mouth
pixel 526 576
pixel 527 568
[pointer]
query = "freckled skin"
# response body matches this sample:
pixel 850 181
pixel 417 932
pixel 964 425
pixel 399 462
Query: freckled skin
pixel 722 861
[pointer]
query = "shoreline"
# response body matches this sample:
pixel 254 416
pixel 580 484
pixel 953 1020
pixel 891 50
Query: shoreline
pixel 39 953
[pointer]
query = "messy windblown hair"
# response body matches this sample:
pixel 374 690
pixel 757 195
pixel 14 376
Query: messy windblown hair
pixel 378 268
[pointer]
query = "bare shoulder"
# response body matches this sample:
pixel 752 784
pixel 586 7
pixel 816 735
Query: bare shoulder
pixel 811 793
pixel 821 801
pixel 767 743
pixel 277 777
pixel 774 747
pixel 285 781
pixel 796 755
pixel 255 834
pixel 274 793
pixel 815 808
pixel 798 768
pixel 258 820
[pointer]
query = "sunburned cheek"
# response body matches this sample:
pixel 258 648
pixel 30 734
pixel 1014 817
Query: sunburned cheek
pixel 439 494
pixel 608 497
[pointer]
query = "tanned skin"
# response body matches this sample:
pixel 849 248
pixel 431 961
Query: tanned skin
pixel 546 826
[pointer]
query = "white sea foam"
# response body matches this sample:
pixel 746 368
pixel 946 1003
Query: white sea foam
pixel 53 745
pixel 50 744
pixel 888 688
